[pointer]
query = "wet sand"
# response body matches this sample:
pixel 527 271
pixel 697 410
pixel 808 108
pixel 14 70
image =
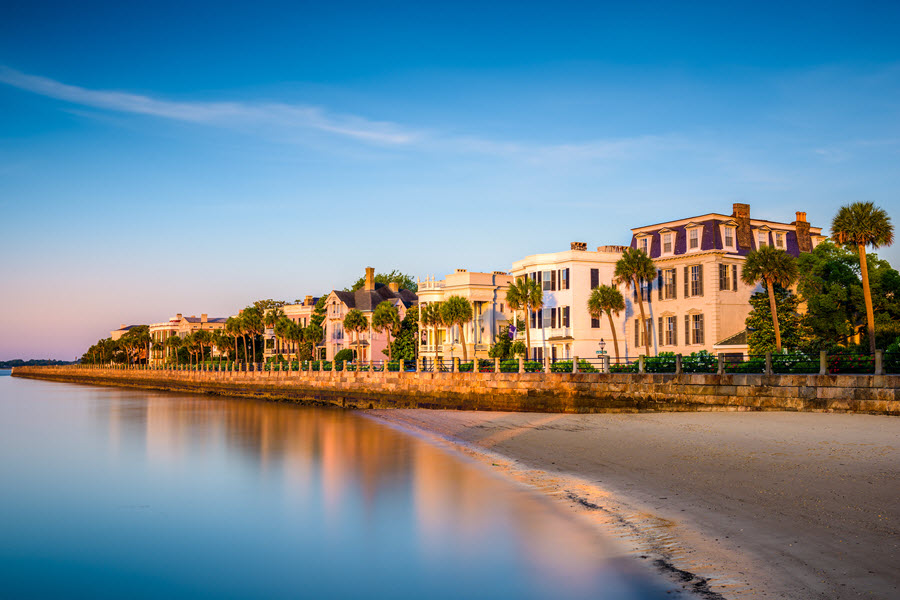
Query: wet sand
pixel 734 505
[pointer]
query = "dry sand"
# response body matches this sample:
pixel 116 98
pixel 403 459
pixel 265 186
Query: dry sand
pixel 736 505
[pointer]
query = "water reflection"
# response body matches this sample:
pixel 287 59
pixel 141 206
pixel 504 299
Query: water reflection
pixel 182 495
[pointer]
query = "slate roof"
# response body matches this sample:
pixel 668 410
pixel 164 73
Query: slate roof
pixel 126 328
pixel 208 320
pixel 367 300
pixel 738 339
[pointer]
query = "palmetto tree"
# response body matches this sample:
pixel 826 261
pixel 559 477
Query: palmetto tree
pixel 633 268
pixel 252 321
pixel 297 334
pixel 282 329
pixel 233 329
pixel 357 323
pixel 432 317
pixel 386 318
pixel 525 294
pixel 607 299
pixel 174 342
pixel 202 339
pixel 856 226
pixel 773 267
pixel 457 310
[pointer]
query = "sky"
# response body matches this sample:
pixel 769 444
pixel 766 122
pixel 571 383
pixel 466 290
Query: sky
pixel 168 157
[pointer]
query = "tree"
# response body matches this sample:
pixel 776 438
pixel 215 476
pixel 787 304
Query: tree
pixel 761 326
pixel 856 226
pixel 406 282
pixel 633 268
pixel 174 343
pixel 356 322
pixel 283 328
pixel 607 299
pixel 432 317
pixel 504 347
pixel 252 320
pixel 407 339
pixel 773 267
pixel 386 318
pixel 202 339
pixel 525 294
pixel 457 310
pixel 233 329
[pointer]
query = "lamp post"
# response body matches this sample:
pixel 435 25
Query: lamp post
pixel 602 349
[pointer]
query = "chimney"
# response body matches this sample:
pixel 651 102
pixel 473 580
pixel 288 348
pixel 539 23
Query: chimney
pixel 581 246
pixel 178 316
pixel 204 318
pixel 122 326
pixel 307 301
pixel 370 279
pixel 741 214
pixel 804 238
pixel 395 287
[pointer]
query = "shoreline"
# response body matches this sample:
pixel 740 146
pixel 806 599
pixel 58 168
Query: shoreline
pixel 726 532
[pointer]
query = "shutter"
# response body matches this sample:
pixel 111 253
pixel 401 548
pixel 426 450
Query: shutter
pixel 595 278
pixel 553 317
pixel 567 278
pixel 700 330
pixel 734 278
pixel 540 319
pixel 660 330
pixel 553 275
pixel 533 320
pixel 700 274
pixel 687 282
pixel 595 323
pixel 566 316
pixel 687 330
pixel 674 331
pixel 674 283
pixel 637 333
pixel 659 284
pixel 723 277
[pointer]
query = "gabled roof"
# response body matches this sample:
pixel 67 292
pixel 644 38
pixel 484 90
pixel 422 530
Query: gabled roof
pixel 738 339
pixel 367 300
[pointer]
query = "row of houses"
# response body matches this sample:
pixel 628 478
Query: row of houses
pixel 696 302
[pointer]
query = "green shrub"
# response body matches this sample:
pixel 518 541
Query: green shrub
pixel 345 355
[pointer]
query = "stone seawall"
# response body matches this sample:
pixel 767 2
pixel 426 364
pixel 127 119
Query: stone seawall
pixel 533 392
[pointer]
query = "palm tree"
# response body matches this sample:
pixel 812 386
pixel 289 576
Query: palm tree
pixel 233 329
pixel 282 329
pixel 856 226
pixel 525 294
pixel 356 322
pixel 252 320
pixel 607 299
pixel 635 266
pixel 457 310
pixel 297 334
pixel 174 342
pixel 202 339
pixel 432 317
pixel 774 267
pixel 386 318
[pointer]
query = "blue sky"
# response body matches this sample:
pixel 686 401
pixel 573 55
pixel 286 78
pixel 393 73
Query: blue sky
pixel 172 158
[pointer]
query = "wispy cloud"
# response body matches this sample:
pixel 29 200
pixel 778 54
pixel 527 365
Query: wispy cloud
pixel 288 118
pixel 216 113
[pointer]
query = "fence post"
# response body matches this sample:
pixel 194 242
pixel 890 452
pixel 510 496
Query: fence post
pixel 879 362
pixel 575 364
pixel 720 370
pixel 641 366
pixel 768 363
pixel 333 366
pixel 606 368
pixel 496 365
pixel 547 365
pixel 678 369
pixel 454 366
pixel 521 365
pixel 823 362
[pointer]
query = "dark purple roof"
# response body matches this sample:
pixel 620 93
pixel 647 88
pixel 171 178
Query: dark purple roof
pixel 711 238
pixel 367 300
pixel 208 320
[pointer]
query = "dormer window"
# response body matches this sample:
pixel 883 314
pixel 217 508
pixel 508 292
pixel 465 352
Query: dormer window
pixel 729 237
pixel 779 240
pixel 762 239
pixel 694 239
pixel 643 243
pixel 668 242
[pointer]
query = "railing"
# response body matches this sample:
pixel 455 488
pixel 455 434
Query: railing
pixel 769 364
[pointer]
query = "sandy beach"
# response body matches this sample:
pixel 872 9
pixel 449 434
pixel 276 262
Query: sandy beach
pixel 734 505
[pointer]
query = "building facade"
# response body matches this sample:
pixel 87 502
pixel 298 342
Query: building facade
pixel 564 328
pixel 487 294
pixel 299 313
pixel 372 344
pixel 698 298
pixel 181 326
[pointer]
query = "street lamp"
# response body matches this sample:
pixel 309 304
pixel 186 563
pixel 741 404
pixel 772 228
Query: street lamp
pixel 602 349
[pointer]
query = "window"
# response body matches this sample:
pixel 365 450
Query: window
pixel 762 239
pixel 548 282
pixel 728 277
pixel 668 243
pixel 667 333
pixel 669 283
pixel 639 332
pixel 697 328
pixel 564 279
pixel 565 316
pixel 595 278
pixel 693 281
pixel 779 240
pixel 729 237
pixel 694 238
pixel 644 244
pixel 595 322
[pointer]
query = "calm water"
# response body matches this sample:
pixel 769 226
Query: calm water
pixel 122 493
